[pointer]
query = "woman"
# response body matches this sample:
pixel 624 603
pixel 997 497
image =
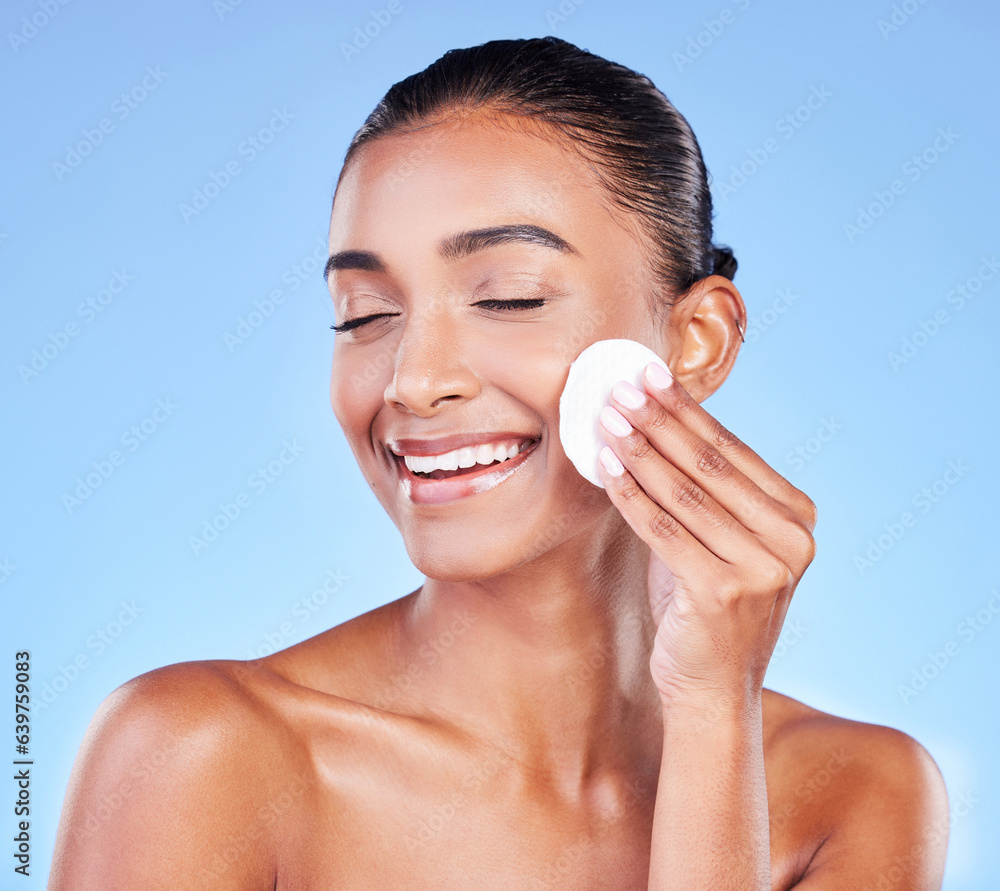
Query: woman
pixel 573 698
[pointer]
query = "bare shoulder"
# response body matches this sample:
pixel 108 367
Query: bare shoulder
pixel 871 796
pixel 172 783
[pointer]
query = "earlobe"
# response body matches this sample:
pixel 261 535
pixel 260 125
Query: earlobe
pixel 710 322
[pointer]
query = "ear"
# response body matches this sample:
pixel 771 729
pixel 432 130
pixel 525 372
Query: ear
pixel 705 335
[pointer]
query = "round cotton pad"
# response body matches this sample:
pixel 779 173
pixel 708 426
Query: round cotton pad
pixel 591 377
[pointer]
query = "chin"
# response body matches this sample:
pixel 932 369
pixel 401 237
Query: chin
pixel 442 563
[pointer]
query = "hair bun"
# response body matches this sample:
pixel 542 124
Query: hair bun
pixel 724 262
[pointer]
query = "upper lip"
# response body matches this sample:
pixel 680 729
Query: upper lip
pixel 442 444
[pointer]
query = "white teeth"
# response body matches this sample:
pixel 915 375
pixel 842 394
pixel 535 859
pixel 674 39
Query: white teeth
pixel 463 457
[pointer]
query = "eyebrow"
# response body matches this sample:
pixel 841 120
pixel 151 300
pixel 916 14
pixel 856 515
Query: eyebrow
pixel 454 247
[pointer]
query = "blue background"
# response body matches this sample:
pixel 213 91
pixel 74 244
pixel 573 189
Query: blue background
pixel 817 359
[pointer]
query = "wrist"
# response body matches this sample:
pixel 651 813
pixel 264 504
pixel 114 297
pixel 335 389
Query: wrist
pixel 709 707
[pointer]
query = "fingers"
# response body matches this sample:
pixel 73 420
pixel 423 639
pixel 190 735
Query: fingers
pixel 658 528
pixel 690 479
pixel 721 443
pixel 665 498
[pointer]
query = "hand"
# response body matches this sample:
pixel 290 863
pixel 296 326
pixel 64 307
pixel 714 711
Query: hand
pixel 729 539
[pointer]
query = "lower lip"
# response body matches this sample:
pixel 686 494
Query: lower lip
pixel 424 491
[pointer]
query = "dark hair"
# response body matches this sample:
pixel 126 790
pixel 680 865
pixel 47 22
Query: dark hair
pixel 643 149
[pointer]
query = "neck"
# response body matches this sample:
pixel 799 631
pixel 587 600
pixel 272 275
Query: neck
pixel 551 658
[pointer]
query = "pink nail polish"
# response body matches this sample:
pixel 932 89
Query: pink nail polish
pixel 658 376
pixel 628 395
pixel 614 421
pixel 611 463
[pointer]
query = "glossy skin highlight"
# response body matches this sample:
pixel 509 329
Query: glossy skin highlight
pixel 517 721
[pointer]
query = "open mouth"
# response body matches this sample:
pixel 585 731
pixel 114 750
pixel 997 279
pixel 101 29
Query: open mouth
pixel 473 471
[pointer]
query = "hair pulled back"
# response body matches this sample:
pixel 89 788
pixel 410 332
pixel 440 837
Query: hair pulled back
pixel 641 147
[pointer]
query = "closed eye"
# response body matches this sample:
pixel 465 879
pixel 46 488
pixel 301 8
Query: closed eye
pixel 523 303
pixel 502 305
pixel 357 323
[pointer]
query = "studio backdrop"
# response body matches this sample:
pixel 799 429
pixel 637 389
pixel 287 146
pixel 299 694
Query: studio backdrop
pixel 175 484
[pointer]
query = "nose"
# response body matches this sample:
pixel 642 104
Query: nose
pixel 431 369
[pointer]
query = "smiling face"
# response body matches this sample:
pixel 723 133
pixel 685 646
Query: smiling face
pixel 445 361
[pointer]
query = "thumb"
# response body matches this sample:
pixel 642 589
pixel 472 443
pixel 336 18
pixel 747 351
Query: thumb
pixel 659 585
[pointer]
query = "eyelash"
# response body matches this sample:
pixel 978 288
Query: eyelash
pixel 524 303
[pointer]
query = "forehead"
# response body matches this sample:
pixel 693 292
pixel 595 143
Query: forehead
pixel 470 171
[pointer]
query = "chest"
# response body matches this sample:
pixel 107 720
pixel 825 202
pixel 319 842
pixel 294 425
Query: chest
pixel 403 816
pixel 459 839
pixel 459 842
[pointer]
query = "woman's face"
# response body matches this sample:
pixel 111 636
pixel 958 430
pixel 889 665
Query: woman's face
pixel 445 362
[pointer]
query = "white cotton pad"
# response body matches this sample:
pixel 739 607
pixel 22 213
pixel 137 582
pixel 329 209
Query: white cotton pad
pixel 591 378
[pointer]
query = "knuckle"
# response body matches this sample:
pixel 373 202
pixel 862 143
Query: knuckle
pixel 803 508
pixel 809 512
pixel 779 576
pixel 804 544
pixel 682 405
pixel 689 495
pixel 710 462
pixel 656 419
pixel 730 593
pixel 638 448
pixel 630 490
pixel 724 439
pixel 662 525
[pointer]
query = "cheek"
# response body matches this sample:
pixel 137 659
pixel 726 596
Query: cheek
pixel 357 385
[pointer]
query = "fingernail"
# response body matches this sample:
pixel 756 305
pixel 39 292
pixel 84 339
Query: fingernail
pixel 611 463
pixel 627 395
pixel 658 376
pixel 614 421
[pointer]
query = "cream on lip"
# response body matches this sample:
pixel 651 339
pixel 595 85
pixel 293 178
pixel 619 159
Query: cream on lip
pixel 421 490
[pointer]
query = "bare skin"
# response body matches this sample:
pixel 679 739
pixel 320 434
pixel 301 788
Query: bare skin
pixel 552 708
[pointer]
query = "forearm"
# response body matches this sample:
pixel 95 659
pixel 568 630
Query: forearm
pixel 710 824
